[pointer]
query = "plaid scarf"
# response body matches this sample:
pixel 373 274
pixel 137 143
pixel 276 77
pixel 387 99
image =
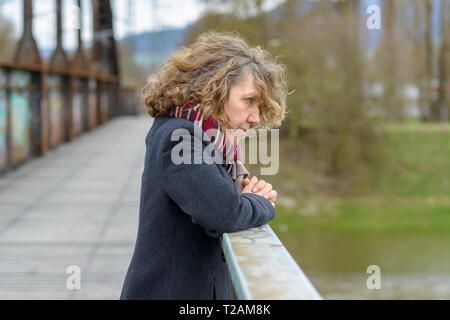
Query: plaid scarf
pixel 231 154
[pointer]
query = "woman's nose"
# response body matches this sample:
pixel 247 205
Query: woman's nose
pixel 253 118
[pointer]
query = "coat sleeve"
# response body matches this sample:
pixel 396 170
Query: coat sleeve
pixel 207 193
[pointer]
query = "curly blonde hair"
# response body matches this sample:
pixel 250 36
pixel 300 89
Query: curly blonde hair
pixel 208 69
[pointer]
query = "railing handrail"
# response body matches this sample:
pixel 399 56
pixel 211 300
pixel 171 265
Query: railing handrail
pixel 44 68
pixel 261 268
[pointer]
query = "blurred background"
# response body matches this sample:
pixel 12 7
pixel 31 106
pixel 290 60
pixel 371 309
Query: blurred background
pixel 364 175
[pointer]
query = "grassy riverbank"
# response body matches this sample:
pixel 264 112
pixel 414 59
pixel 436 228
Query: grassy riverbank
pixel 408 189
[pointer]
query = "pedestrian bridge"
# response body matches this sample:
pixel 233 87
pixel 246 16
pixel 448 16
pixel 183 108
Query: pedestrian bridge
pixel 76 208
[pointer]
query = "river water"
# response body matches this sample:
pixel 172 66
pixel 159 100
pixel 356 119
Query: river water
pixel 411 265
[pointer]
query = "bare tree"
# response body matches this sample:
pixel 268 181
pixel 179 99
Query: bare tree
pixel 439 105
pixel 391 103
pixel 428 114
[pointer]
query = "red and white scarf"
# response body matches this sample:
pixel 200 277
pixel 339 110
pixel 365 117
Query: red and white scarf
pixel 230 152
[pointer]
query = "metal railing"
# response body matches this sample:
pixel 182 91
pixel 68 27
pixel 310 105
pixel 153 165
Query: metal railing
pixel 261 268
pixel 43 104
pixel 42 108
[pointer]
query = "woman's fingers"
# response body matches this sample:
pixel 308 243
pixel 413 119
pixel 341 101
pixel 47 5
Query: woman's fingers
pixel 259 186
pixel 273 196
pixel 249 187
pixel 265 190
pixel 270 195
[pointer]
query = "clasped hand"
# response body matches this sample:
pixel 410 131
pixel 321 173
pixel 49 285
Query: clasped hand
pixel 261 187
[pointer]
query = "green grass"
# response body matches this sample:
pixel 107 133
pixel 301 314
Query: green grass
pixel 368 214
pixel 417 163
pixel 409 190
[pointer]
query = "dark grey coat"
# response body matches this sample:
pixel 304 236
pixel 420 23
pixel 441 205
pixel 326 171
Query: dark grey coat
pixel 184 209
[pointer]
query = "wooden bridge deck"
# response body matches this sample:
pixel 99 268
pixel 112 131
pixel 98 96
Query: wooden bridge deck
pixel 77 205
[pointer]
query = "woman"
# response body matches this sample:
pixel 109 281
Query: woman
pixel 217 84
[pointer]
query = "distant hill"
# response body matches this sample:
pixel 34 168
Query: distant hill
pixel 154 47
pixel 150 48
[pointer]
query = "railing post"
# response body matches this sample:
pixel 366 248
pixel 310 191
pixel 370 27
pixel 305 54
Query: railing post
pixel 93 103
pixel 27 51
pixel 3 122
pixel 19 85
pixel 60 102
pixel 80 99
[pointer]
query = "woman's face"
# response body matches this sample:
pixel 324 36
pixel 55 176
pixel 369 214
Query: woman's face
pixel 242 107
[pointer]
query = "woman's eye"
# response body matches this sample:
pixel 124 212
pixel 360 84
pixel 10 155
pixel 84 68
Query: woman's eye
pixel 249 100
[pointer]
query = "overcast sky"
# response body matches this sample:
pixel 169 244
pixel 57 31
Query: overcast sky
pixel 146 15
pixel 168 13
